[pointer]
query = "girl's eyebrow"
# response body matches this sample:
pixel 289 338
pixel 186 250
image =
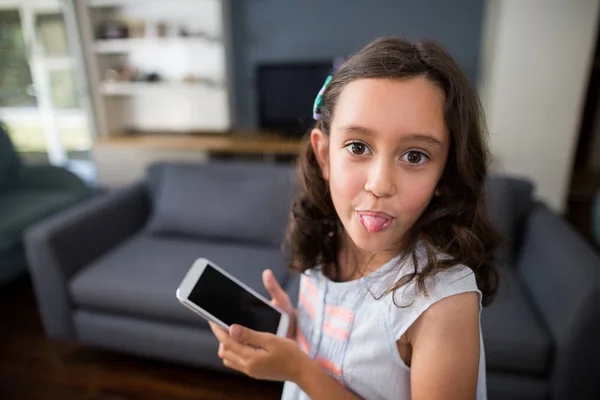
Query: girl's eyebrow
pixel 419 137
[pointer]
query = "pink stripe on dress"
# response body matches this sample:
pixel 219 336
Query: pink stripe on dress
pixel 340 313
pixel 310 287
pixel 330 329
pixel 307 305
pixel 302 341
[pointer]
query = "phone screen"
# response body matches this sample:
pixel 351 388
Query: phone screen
pixel 231 303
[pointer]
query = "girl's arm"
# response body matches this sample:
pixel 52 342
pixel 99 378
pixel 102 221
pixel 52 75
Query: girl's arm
pixel 317 384
pixel 445 342
pixel 275 358
pixel 265 356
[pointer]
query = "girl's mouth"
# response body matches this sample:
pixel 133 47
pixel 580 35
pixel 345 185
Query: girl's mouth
pixel 374 221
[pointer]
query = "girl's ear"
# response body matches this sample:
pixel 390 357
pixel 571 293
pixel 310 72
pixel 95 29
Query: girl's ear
pixel 320 145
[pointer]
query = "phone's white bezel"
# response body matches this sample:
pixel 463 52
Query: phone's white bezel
pixel 192 276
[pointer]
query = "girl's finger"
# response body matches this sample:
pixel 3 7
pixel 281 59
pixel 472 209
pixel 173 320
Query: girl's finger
pixel 230 363
pixel 219 332
pixel 232 356
pixel 226 354
pixel 258 341
pixel 241 350
pixel 278 295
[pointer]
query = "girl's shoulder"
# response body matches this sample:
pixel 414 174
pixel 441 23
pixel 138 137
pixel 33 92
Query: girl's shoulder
pixel 404 305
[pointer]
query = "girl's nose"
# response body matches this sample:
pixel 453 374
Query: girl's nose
pixel 380 180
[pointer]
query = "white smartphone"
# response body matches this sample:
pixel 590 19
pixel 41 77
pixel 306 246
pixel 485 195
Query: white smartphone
pixel 217 296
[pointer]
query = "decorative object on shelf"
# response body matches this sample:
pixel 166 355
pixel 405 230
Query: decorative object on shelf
pixel 112 30
pixel 127 73
pixel 111 75
pixel 121 73
pixel 162 29
pixel 206 36
pixel 211 83
pixel 153 77
pixel 137 28
pixel 183 31
pixel 190 79
pixel 186 32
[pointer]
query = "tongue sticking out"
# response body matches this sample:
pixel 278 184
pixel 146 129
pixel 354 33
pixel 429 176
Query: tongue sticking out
pixel 374 223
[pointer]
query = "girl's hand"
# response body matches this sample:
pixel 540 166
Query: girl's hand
pixel 279 298
pixel 259 355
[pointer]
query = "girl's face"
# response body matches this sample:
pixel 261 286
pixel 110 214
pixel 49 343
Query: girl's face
pixel 386 152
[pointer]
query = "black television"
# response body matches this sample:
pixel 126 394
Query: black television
pixel 286 93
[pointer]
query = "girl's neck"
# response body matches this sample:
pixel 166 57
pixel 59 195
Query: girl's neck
pixel 354 263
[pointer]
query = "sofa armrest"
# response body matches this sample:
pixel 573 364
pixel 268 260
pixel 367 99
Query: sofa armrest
pixel 49 177
pixel 562 274
pixel 64 244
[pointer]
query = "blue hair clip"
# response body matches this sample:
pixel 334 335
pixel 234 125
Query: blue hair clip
pixel 319 98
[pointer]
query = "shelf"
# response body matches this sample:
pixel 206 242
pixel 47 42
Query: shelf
pixel 233 143
pixel 31 113
pixel 106 3
pixel 120 3
pixel 121 46
pixel 134 88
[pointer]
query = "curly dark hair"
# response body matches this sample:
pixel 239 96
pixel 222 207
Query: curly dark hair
pixel 455 222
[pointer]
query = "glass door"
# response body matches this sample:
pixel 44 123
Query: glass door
pixel 19 108
pixel 57 90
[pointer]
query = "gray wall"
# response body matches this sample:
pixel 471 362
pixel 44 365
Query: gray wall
pixel 306 30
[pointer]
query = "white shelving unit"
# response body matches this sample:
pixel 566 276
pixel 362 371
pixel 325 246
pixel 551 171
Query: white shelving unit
pixel 116 3
pixel 149 88
pixel 124 46
pixel 176 60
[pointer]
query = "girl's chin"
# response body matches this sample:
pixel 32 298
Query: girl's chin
pixel 373 243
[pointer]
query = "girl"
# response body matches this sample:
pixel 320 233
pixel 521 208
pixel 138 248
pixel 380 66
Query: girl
pixel 391 235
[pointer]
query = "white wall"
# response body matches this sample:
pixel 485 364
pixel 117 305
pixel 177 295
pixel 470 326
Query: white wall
pixel 536 62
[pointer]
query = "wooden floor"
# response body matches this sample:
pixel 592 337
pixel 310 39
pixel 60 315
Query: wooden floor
pixel 33 367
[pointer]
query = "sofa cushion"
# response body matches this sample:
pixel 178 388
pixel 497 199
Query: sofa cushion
pixel 21 208
pixel 508 201
pixel 141 276
pixel 515 339
pixel 245 202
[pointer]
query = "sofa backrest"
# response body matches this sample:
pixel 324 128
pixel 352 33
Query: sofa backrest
pixel 250 202
pixel 509 202
pixel 233 201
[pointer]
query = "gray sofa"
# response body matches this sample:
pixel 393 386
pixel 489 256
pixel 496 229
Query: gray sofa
pixel 105 273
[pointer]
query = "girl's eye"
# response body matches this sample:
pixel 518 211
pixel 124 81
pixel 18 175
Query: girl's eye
pixel 415 157
pixel 358 149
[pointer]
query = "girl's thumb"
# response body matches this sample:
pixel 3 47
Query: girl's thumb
pixel 272 285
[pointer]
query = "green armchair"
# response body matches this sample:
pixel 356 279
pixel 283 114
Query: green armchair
pixel 29 194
